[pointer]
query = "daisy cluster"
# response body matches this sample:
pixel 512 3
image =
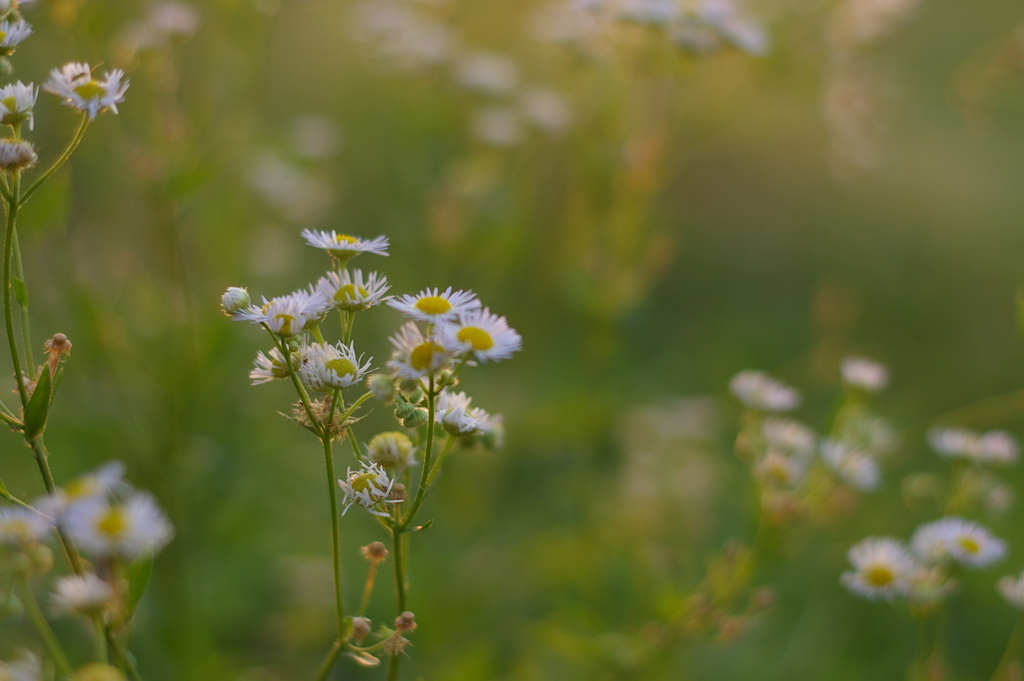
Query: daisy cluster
pixel 446 330
pixel 789 459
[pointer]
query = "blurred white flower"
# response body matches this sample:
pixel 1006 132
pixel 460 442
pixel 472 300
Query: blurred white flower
pixel 546 109
pixel 87 488
pixel 487 72
pixel 1012 590
pixel 775 469
pixel 86 595
pixel 789 436
pixel 17 102
pixel 21 527
pixel 957 539
pixel 867 374
pixel 75 84
pixel 758 390
pixel 453 412
pixel 270 367
pixel 995 446
pixel 882 568
pixel 498 126
pixel 104 529
pixel 13 34
pixel 27 668
pixel 854 467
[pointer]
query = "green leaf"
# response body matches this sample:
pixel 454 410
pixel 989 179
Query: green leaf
pixel 138 578
pixel 20 291
pixel 56 382
pixel 38 405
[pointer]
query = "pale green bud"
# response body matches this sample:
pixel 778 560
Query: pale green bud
pixel 418 417
pixel 234 300
pixel 404 410
pixel 382 386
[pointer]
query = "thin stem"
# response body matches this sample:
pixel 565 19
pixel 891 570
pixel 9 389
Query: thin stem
pixel 428 451
pixel 368 588
pixel 12 216
pixel 393 667
pixel 303 396
pixel 401 588
pixel 123 656
pixel 440 459
pixel 101 639
pixel 56 166
pixel 42 461
pixel 26 331
pixel 1012 650
pixel 332 491
pixel 18 502
pixel 45 632
pixel 328 663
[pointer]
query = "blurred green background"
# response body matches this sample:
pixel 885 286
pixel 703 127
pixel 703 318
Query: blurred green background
pixel 696 216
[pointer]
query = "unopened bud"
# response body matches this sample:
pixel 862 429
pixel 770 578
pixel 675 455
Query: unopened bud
pixel 409 385
pixel 405 622
pixel 398 492
pixel 16 155
pixel 98 672
pixel 418 417
pixel 360 628
pixel 382 386
pixel 6 68
pixel 446 378
pixel 375 551
pixel 404 410
pixel 416 396
pixel 234 300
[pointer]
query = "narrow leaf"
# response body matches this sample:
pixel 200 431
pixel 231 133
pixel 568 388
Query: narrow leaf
pixel 138 578
pixel 38 406
pixel 20 291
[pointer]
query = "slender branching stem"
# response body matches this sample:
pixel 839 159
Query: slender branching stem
pixel 42 461
pixel 440 459
pixel 12 217
pixel 332 491
pixel 43 627
pixel 26 331
pixel 328 663
pixel 56 166
pixel 427 457
pixel 368 588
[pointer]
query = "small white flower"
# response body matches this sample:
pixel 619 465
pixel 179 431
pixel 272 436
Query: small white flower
pixel 343 246
pixel 27 668
pixel 484 334
pixel 499 126
pixel 17 155
pixel 856 468
pixel 75 84
pixel 882 568
pixel 330 367
pixel 13 34
pixel 369 487
pixel 775 469
pixel 789 436
pixel 453 412
pixel 20 526
pixel 995 446
pixel 416 355
pixel 392 450
pixel 87 488
pixel 758 390
pixel 351 292
pixel 866 374
pixel 17 102
pixel 128 529
pixel 998 446
pixel 270 367
pixel 1012 590
pixel 235 300
pixel 433 305
pixel 488 73
pixel 288 315
pixel 83 595
pixel 492 431
pixel 930 585
pixel 546 109
pixel 957 539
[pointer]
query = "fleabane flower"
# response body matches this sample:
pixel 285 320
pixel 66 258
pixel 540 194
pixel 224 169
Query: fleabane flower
pixel 775 469
pixel 758 390
pixel 351 292
pixel 484 334
pixel 289 315
pixel 433 305
pixel 127 529
pixel 369 487
pixel 866 374
pixel 392 450
pixel 87 488
pixel 235 300
pixel 995 446
pixel 17 155
pixel 454 414
pixel 882 568
pixel 854 467
pixel 957 539
pixel 269 367
pixel 13 34
pixel 416 355
pixel 343 246
pixel 1012 590
pixel 17 102
pixel 86 595
pixel 75 84
pixel 329 367
pixel 789 436
pixel 21 527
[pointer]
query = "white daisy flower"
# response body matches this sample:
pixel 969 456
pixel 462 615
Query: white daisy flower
pixel 929 586
pixel 957 539
pixel 452 411
pixel 488 73
pixel 269 367
pixel 82 595
pixel 17 155
pixel 87 488
pixel 27 668
pixel 775 469
pixel 20 526
pixel 351 292
pixel 854 467
pixel 882 568
pixel 288 315
pixel 1012 590
pixel 343 246
pixel 128 529
pixel 758 390
pixel 234 300
pixel 432 305
pixel 392 450
pixel 416 356
pixel 789 436
pixel 13 34
pixel 75 84
pixel 998 446
pixel 995 446
pixel 330 367
pixel 17 102
pixel 486 335
pixel 369 487
pixel 867 374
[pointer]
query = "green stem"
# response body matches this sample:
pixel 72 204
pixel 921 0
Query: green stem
pixel 101 639
pixel 26 331
pixel 328 663
pixel 1012 650
pixel 393 667
pixel 56 166
pixel 303 395
pixel 332 491
pixel 428 451
pixel 42 461
pixel 12 216
pixel 368 588
pixel 401 588
pixel 123 657
pixel 440 459
pixel 45 632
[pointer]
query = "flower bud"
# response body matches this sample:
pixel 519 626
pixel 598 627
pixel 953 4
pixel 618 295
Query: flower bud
pixel 375 552
pixel 234 300
pixel 399 492
pixel 382 386
pixel 360 629
pixel 418 417
pixel 446 379
pixel 6 68
pixel 98 672
pixel 392 450
pixel 409 385
pixel 16 155
pixel 415 396
pixel 405 622
pixel 403 409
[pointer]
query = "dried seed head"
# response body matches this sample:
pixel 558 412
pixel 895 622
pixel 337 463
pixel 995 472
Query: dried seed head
pixel 360 628
pixel 375 551
pixel 398 492
pixel 58 345
pixel 17 155
pixel 405 622
pixel 395 644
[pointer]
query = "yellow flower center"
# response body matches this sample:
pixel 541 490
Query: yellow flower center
pixel 18 528
pixel 422 357
pixel 433 305
pixel 90 90
pixel 362 482
pixel 879 575
pixel 114 523
pixel 969 544
pixel 350 293
pixel 11 104
pixel 3 35
pixel 477 337
pixel 286 321
pixel 342 367
pixel 345 239
pixel 82 487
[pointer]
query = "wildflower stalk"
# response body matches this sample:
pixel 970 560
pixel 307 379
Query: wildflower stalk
pixel 55 167
pixel 43 627
pixel 26 331
pixel 332 491
pixel 101 639
pixel 1012 650
pixel 12 216
pixel 371 576
pixel 428 451
pixel 42 461
pixel 328 663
